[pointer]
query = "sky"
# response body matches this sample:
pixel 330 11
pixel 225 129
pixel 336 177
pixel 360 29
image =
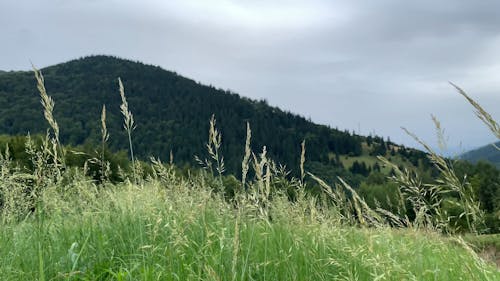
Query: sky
pixel 367 66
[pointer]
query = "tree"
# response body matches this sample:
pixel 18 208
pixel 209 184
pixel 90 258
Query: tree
pixel 485 182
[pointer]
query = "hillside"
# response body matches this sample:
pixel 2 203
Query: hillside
pixel 172 113
pixel 485 153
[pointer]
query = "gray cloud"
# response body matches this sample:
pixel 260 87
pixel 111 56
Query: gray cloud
pixel 367 65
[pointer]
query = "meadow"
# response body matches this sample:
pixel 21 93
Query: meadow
pixel 181 230
pixel 59 223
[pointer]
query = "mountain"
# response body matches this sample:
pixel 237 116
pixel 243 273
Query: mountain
pixel 172 114
pixel 485 153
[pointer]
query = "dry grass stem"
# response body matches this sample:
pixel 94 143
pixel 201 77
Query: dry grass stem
pixel 481 113
pixel 128 125
pixel 104 139
pixel 245 164
pixel 439 133
pixel 302 162
pixel 47 103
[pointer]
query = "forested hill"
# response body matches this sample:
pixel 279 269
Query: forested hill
pixel 486 153
pixel 171 113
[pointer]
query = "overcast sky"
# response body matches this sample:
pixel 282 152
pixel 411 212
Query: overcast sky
pixel 369 66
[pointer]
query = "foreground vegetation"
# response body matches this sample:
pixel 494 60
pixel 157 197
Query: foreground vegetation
pixel 158 222
pixel 172 113
pixel 181 230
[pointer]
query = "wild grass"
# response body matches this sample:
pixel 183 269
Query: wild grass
pixel 428 200
pixel 104 138
pixel 59 224
pixel 246 158
pixel 480 112
pixel 183 232
pixel 128 125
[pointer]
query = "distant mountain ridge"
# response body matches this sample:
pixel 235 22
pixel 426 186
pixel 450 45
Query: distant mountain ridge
pixel 485 153
pixel 172 114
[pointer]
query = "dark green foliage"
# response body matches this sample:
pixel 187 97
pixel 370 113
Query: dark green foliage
pixel 485 181
pixel 378 192
pixel 16 149
pixel 379 146
pixel 86 155
pixel 360 168
pixel 383 195
pixel 171 111
pixel 79 156
pixel 329 174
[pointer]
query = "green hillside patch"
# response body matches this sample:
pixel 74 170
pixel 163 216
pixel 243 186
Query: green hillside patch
pixel 371 161
pixel 347 161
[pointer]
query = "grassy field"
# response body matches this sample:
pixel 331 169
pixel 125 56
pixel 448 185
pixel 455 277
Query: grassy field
pixel 488 246
pixel 59 223
pixel 370 160
pixel 183 231
pixel 159 232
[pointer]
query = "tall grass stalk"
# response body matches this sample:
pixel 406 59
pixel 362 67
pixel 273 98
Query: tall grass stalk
pixel 104 139
pixel 213 146
pixel 439 133
pixel 261 192
pixel 427 199
pixel 448 183
pixel 128 125
pixel 47 103
pixel 55 149
pixel 245 164
pixel 302 162
pixel 481 113
pixel 366 215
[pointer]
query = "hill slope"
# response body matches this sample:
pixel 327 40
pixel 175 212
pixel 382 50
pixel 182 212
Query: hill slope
pixel 171 113
pixel 486 153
